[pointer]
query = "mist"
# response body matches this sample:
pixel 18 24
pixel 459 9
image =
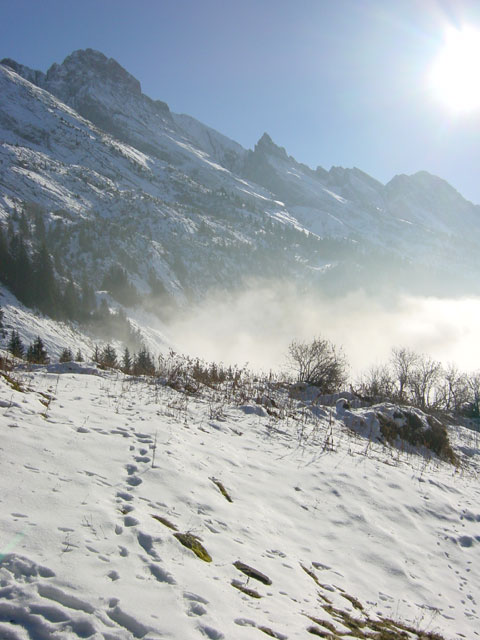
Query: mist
pixel 256 325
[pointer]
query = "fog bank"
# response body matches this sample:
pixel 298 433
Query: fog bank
pixel 257 325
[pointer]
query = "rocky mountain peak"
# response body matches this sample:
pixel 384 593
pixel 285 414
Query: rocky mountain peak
pixel 87 66
pixel 266 146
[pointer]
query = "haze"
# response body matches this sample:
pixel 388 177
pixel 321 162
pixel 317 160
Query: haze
pixel 257 325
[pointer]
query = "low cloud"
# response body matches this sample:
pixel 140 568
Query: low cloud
pixel 256 326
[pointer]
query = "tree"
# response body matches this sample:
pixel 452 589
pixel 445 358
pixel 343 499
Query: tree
pixel 89 302
pixel 473 382
pixel 377 383
pixel 66 355
pixel 71 301
pixel 2 332
pixel 403 363
pixel 423 379
pixel 96 354
pixel 79 356
pixel 116 282
pixel 15 345
pixel 47 294
pixel 143 363
pixel 36 352
pixel 108 357
pixel 126 361
pixel 319 363
pixel 453 389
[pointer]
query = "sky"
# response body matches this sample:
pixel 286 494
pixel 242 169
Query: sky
pixel 344 82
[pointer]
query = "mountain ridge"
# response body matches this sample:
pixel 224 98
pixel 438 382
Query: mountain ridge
pixel 188 198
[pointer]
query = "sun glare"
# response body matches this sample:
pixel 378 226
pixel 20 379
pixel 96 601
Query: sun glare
pixel 455 76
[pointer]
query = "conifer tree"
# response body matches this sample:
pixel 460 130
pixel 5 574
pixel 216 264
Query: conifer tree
pixel 4 257
pixel 143 364
pixel 88 303
pixel 108 357
pixel 19 269
pixel 66 355
pixel 126 361
pixel 36 352
pixel 79 356
pixel 71 301
pixel 15 345
pixel 47 297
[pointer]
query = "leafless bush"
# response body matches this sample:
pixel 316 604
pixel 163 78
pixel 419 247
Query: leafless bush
pixel 376 384
pixel 319 363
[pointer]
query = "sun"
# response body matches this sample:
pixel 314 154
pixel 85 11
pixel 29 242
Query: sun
pixel 455 74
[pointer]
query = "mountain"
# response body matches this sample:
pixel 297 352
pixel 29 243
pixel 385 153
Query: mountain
pixel 116 178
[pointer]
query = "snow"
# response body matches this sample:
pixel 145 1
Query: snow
pixel 92 459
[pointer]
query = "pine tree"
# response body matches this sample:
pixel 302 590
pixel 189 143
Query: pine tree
pixel 36 352
pixel 79 356
pixel 126 361
pixel 71 301
pixel 96 354
pixel 47 295
pixel 66 355
pixel 19 270
pixel 143 364
pixel 89 302
pixel 4 257
pixel 15 345
pixel 108 357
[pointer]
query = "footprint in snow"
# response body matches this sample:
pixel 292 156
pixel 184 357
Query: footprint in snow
pixel 210 632
pixel 134 481
pixel 146 542
pixel 124 495
pixel 195 604
pixel 160 574
pixel 131 468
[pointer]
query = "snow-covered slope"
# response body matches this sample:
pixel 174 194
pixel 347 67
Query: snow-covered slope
pixel 100 472
pixel 120 179
pixel 105 201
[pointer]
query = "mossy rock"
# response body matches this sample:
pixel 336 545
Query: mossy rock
pixel 251 572
pixel 413 430
pixel 222 489
pixel 165 522
pixel 193 543
pixel 320 633
pixel 248 592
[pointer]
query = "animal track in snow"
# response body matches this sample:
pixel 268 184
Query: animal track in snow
pixel 160 574
pixel 134 481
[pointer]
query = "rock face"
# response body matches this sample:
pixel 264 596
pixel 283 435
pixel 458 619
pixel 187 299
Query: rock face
pixel 175 199
pixel 32 75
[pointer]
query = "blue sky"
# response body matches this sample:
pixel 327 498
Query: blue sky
pixel 336 82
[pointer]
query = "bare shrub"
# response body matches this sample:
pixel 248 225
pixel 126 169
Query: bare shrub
pixel 319 363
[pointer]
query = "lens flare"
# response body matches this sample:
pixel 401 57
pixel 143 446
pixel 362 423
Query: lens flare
pixel 455 75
